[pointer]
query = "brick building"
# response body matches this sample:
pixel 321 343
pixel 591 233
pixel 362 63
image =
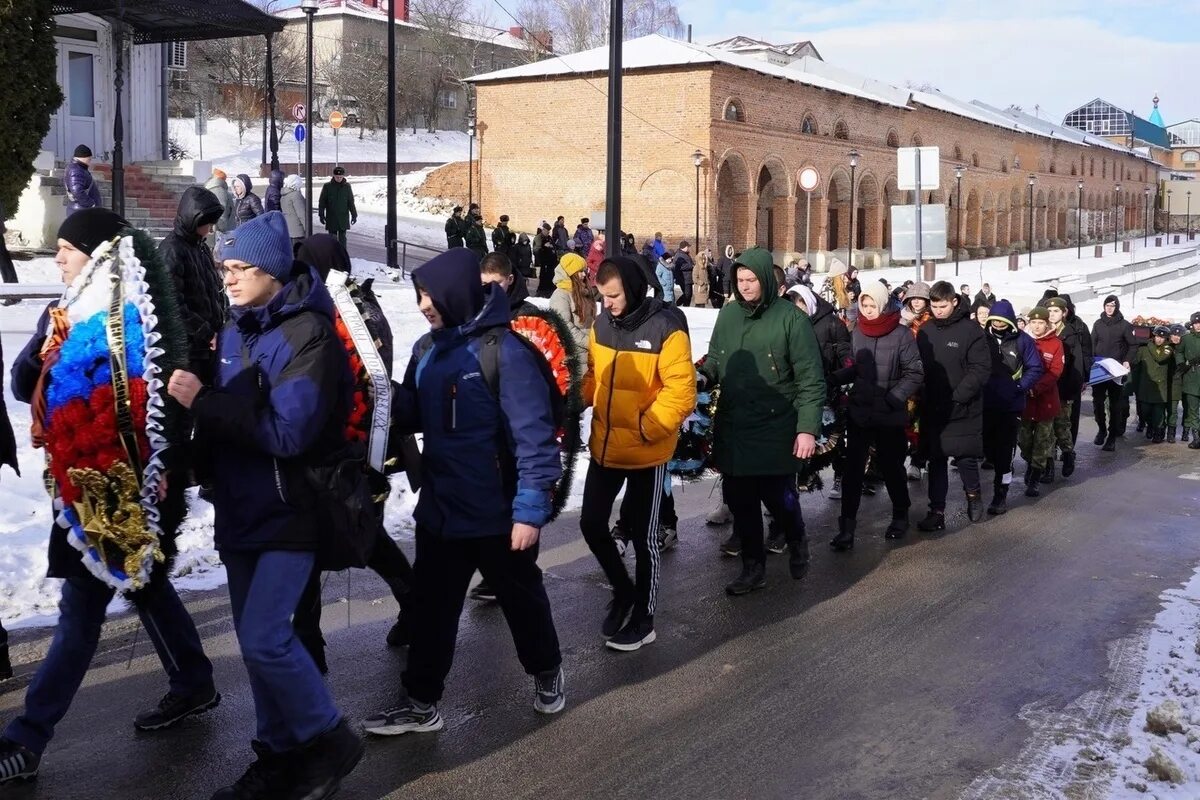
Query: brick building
pixel 754 125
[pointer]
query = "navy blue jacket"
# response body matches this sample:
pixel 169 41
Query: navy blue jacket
pixel 486 463
pixel 279 402
pixel 1016 364
pixel 81 187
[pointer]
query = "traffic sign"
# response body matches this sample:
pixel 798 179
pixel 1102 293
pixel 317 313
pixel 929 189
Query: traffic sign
pixel 810 179
pixel 298 131
pixel 904 232
pixel 336 119
pixel 907 159
pixel 299 112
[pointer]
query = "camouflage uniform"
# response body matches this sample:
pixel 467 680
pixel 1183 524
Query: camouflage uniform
pixel 1036 441
pixel 1062 428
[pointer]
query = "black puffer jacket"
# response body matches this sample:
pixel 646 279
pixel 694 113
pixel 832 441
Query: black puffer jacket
pixel 1078 332
pixel 1112 337
pixel 832 335
pixel 8 442
pixel 886 372
pixel 957 365
pixel 202 300
pixel 248 206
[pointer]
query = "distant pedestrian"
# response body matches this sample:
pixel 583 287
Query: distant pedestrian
pixel 294 206
pixel 660 246
pixel 572 299
pixel 684 267
pixel 246 204
pixel 665 275
pixel 474 236
pixel 336 206
pixel 595 254
pixel 274 190
pixel 218 186
pixel 628 246
pixel 1036 438
pixel 455 229
pixel 984 296
pixel 503 239
pixel 560 236
pixel 82 190
pixel 584 237
pixel 545 258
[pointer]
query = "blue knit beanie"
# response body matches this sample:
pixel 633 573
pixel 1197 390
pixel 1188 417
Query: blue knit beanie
pixel 262 242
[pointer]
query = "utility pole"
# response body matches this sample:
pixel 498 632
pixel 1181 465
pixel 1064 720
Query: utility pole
pixel 612 215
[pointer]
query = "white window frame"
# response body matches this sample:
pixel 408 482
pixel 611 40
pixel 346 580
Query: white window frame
pixel 177 56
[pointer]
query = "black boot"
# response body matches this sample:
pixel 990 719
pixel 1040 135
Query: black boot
pixel 1101 437
pixel 1033 480
pixel 1185 435
pixel 1068 459
pixel 798 556
pixel 975 505
pixel 320 764
pixel 999 501
pixel 1171 434
pixel 1195 445
pixel 1160 435
pixel 899 525
pixel 1048 473
pixel 268 778
pixel 1141 426
pixel 754 576
pixel 845 537
pixel 934 521
pixel 1110 444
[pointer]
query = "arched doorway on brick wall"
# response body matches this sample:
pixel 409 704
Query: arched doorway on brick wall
pixel 973 225
pixel 772 199
pixel 891 197
pixel 869 219
pixel 733 203
pixel 1040 232
pixel 837 217
pixel 988 216
pixel 1001 241
pixel 1016 216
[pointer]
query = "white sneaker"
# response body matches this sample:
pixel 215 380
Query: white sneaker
pixel 914 473
pixel 719 516
pixel 835 493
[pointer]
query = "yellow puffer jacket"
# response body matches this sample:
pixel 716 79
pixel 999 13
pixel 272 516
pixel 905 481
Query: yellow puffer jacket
pixel 641 385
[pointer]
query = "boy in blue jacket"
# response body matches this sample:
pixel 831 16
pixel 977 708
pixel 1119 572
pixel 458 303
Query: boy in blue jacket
pixel 471 515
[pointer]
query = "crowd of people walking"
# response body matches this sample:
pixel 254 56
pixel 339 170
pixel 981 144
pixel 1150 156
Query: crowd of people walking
pixel 882 384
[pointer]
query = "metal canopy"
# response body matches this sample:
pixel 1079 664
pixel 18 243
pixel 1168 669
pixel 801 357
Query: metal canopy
pixel 155 21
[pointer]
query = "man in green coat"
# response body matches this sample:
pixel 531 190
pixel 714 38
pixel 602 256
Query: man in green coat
pixel 764 358
pixel 336 206
pixel 1188 358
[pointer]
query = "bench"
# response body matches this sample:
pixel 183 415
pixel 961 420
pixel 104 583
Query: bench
pixel 31 291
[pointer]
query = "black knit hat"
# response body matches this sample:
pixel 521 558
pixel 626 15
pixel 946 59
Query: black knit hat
pixel 83 151
pixel 339 170
pixel 1195 318
pixel 89 228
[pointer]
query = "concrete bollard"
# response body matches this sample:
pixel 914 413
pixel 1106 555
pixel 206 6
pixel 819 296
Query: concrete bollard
pixel 1099 251
pixel 929 272
pixel 1125 246
pixel 1014 262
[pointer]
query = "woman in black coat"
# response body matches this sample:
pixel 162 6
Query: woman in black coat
pixel 886 373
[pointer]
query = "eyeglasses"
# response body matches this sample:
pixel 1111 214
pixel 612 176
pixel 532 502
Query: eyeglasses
pixel 237 273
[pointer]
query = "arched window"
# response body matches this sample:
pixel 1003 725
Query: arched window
pixel 958 157
pixel 1104 168
pixel 1074 169
pixel 1093 169
pixel 893 138
pixel 1004 165
pixel 809 126
pixel 841 130
pixel 974 159
pixel 916 140
pixel 1053 168
pixel 734 112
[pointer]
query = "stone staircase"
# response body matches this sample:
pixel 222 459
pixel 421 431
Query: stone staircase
pixel 152 192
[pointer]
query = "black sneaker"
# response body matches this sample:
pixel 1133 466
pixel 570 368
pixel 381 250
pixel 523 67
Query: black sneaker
pixel 934 521
pixel 1068 463
pixel 482 593
pixel 732 546
pixel 269 777
pixel 17 763
pixel 400 634
pixel 776 542
pixel 405 718
pixel 975 505
pixel 636 633
pixel 668 537
pixel 618 614
pixel 175 707
pixel 321 764
pixel 549 691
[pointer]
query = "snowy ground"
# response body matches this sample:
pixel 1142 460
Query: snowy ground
pixel 223 148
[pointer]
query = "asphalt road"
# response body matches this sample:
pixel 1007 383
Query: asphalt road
pixel 366 240
pixel 895 671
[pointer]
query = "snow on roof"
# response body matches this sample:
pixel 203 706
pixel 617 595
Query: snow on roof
pixel 353 8
pixel 656 50
pixel 1052 130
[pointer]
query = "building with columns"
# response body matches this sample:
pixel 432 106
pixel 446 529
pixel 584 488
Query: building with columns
pixel 753 125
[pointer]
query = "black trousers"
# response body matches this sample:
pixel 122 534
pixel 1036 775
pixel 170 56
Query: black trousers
pixel 685 299
pixel 745 496
pixel 891 446
pixel 640 509
pixel 939 479
pixel 666 510
pixel 1000 430
pixel 8 272
pixel 1075 409
pixel 443 572
pixel 387 560
pixel 1110 407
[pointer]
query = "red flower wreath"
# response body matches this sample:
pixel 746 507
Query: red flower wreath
pixel 357 424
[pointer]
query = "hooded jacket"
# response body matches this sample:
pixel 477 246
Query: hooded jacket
pixel 279 403
pixel 1112 337
pixel 1077 338
pixel 957 366
pixel 518 297
pixel 640 380
pixel 1043 404
pixel 294 207
pixel 1016 363
pixel 766 361
pixel 886 372
pixel 503 239
pixel 833 337
pixel 202 300
pixel 248 206
pixel 562 300
pixel 274 191
pixel 220 189
pixel 584 238
pixel 469 432
pixel 666 280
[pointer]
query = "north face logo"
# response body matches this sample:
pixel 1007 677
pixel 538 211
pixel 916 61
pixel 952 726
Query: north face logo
pixel 952 344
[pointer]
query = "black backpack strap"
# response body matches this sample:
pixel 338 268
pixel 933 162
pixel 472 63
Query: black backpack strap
pixel 489 357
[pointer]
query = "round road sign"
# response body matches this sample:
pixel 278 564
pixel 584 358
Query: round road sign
pixel 299 112
pixel 336 119
pixel 810 179
pixel 299 132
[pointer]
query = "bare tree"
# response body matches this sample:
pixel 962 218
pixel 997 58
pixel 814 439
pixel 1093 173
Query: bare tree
pixel 355 73
pixel 238 68
pixel 582 24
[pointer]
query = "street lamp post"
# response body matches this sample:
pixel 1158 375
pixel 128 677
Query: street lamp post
pixel 1146 219
pixel 1032 180
pixel 1187 222
pixel 850 243
pixel 309 7
pixel 697 159
pixel 1116 217
pixel 958 175
pixel 1079 223
pixel 1168 234
pixel 470 160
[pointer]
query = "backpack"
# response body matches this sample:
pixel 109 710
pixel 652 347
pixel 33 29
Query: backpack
pixel 543 333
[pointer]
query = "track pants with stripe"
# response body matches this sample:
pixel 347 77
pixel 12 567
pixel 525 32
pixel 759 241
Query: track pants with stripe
pixel 640 510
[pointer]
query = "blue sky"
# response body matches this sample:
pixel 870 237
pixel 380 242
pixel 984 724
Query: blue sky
pixel 1056 54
